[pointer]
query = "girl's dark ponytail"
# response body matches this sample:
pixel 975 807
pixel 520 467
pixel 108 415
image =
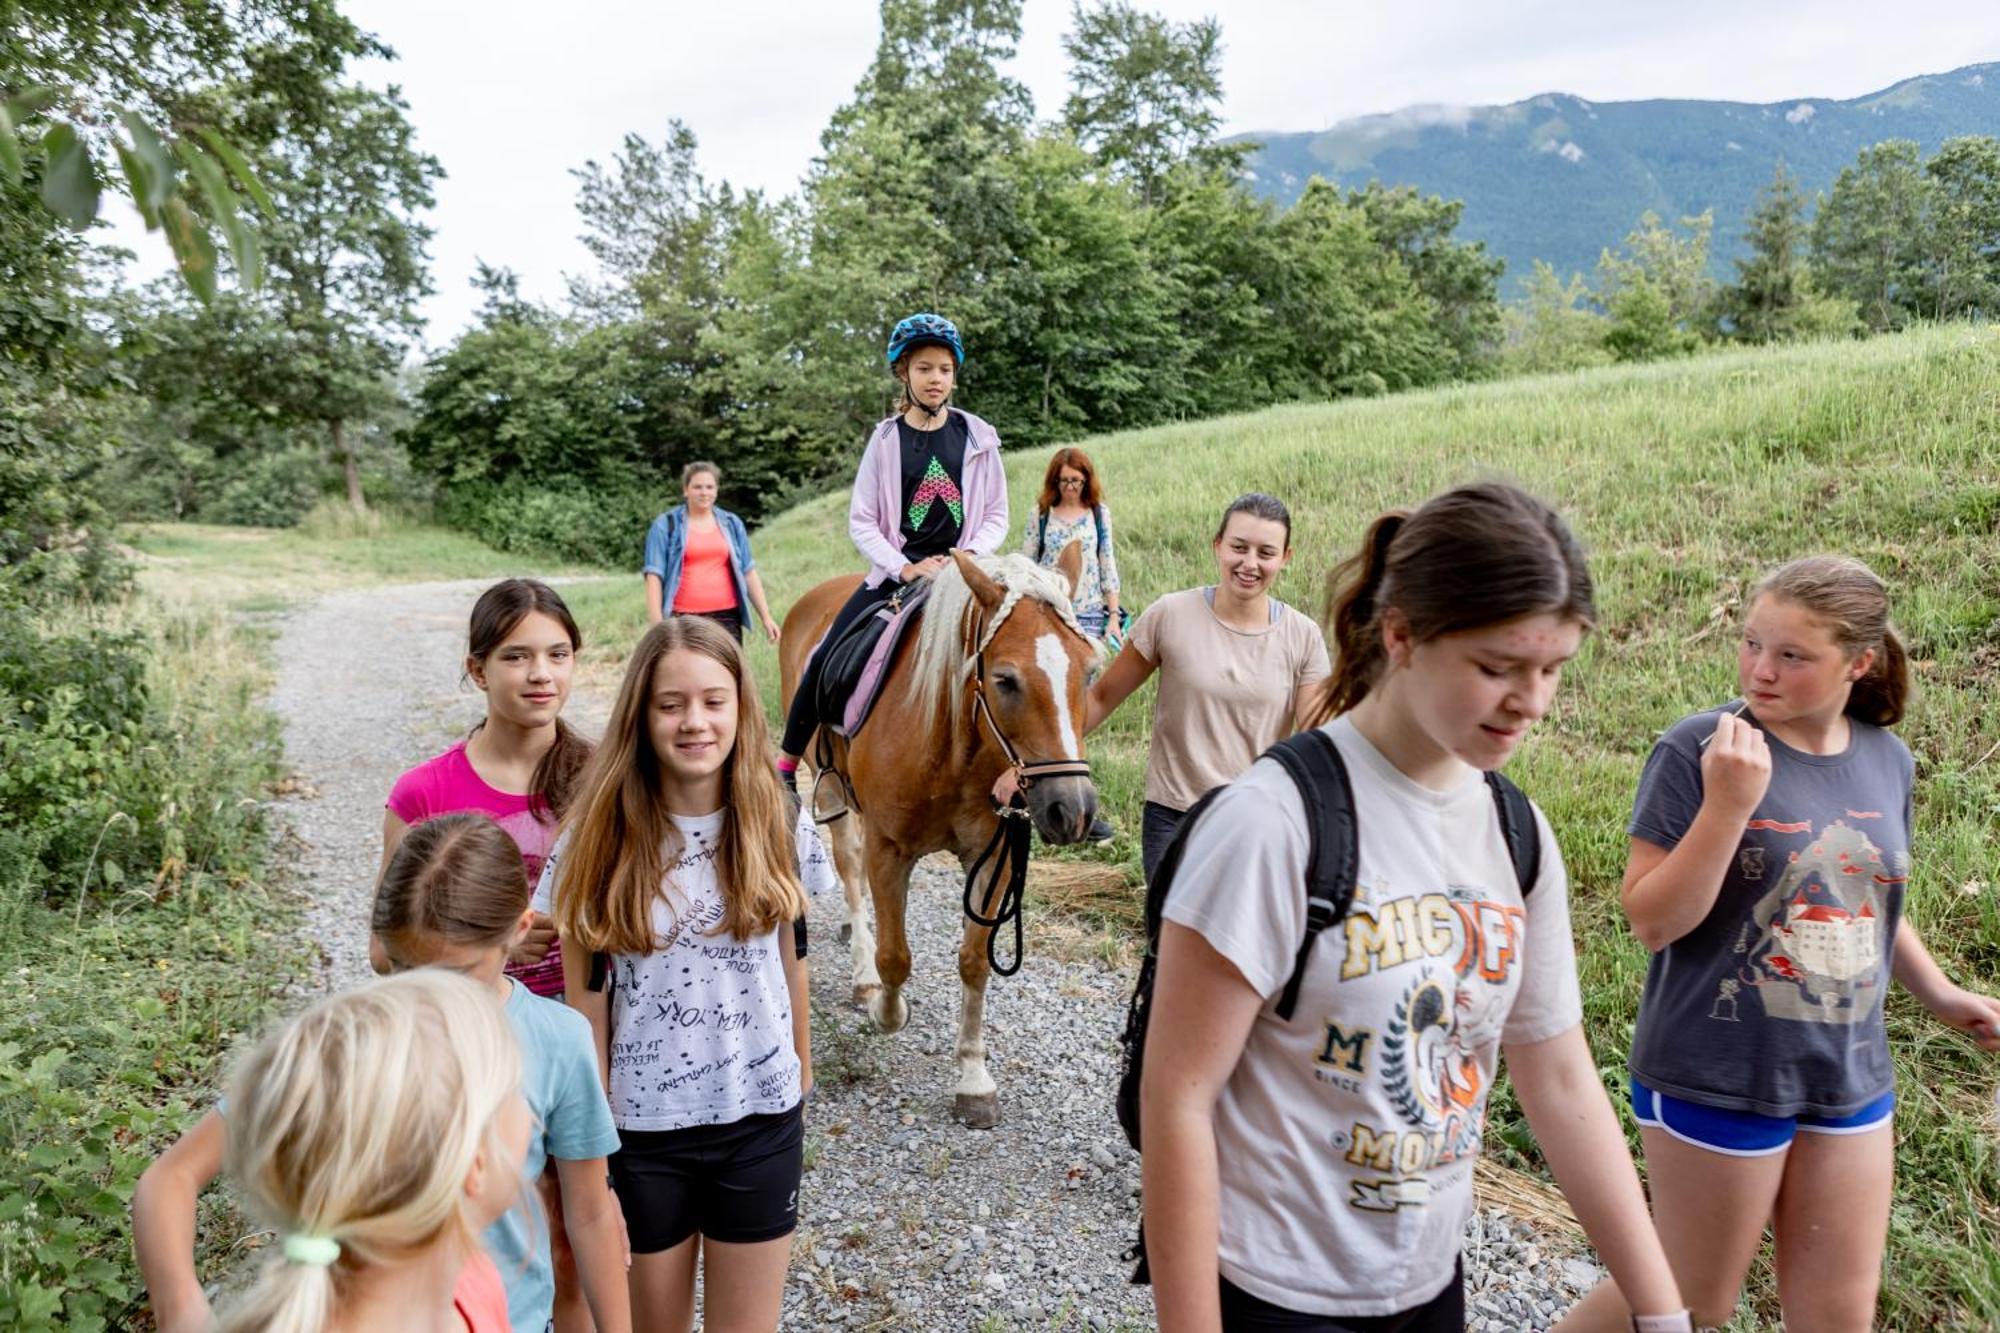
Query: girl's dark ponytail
pixel 1353 598
pixel 555 776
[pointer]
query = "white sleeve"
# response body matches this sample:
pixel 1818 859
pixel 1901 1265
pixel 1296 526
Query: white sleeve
pixel 816 869
pixel 1241 885
pixel 1550 1002
pixel 544 897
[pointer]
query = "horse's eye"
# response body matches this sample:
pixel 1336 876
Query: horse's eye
pixel 1010 684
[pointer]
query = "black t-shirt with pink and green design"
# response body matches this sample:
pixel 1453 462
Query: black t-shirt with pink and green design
pixel 933 468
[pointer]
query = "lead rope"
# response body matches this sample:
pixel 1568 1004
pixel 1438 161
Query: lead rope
pixel 1008 851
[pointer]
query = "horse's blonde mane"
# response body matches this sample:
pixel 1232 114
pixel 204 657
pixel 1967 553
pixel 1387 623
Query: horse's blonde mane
pixel 944 658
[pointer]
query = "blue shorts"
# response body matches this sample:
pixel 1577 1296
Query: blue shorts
pixel 1745 1133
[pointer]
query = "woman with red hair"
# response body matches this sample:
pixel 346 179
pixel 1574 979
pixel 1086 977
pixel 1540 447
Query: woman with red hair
pixel 1072 509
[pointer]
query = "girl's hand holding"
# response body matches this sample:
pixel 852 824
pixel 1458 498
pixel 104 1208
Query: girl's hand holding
pixel 1736 766
pixel 535 945
pixel 1978 1016
pixel 923 569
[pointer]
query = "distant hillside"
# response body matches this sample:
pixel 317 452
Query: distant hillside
pixel 1558 178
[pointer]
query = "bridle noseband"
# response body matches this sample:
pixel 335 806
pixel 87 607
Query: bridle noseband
pixel 1026 773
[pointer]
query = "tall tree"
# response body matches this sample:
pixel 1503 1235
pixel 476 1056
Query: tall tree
pixel 347 253
pixel 1145 93
pixel 1869 236
pixel 1771 282
pixel 1460 279
pixel 1964 231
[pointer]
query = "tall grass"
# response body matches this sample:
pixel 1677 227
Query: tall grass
pixel 1685 479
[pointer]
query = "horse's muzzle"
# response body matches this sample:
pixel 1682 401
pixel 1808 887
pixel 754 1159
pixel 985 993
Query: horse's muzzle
pixel 1063 808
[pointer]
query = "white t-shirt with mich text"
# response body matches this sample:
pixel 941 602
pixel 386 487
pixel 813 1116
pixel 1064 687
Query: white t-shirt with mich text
pixel 1345 1138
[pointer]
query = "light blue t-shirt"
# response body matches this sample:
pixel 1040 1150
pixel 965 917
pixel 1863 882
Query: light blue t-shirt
pixel 560 1081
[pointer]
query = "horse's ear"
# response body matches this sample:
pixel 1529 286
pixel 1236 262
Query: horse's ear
pixel 1070 564
pixel 984 586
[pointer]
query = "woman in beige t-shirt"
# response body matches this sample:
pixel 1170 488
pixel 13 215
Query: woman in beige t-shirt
pixel 1233 662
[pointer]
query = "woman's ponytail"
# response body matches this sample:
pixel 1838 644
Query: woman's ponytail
pixel 1353 603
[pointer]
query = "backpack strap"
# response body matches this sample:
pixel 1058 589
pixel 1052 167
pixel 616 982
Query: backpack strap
pixel 1517 825
pixel 1315 765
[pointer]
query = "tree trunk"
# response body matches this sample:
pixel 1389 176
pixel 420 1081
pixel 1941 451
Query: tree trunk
pixel 349 466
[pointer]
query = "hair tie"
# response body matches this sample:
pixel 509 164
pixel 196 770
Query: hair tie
pixel 312 1251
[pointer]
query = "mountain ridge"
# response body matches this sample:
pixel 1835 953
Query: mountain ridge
pixel 1560 177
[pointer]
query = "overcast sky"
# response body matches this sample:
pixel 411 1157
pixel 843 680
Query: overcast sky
pixel 509 95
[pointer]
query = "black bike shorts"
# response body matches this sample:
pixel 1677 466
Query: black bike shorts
pixel 737 1183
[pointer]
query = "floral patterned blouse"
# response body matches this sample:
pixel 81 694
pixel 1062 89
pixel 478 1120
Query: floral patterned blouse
pixel 1100 563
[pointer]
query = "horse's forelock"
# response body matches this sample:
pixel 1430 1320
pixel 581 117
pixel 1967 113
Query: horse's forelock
pixel 944 655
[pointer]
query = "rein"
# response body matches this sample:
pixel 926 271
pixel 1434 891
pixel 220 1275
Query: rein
pixel 1008 848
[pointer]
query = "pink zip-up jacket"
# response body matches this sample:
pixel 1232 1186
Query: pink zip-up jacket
pixel 875 515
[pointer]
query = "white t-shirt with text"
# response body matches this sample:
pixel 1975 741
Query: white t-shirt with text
pixel 701 1027
pixel 1346 1137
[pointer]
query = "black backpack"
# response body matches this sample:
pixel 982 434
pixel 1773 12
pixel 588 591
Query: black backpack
pixel 1315 765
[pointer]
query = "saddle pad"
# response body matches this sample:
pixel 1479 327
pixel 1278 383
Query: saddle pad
pixel 855 666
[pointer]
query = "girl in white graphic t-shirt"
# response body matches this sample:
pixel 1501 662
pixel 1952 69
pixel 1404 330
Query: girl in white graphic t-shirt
pixel 675 889
pixel 1316 1173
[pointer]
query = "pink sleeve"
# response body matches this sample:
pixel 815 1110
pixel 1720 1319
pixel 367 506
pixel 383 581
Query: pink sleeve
pixel 412 799
pixel 989 528
pixel 874 537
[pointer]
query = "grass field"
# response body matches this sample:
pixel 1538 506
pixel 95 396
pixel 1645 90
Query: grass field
pixel 1685 479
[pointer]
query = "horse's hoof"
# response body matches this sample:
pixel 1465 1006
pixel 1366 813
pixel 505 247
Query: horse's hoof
pixel 846 932
pixel 864 996
pixel 976 1110
pixel 889 1014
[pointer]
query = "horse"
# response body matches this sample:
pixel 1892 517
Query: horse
pixel 993 677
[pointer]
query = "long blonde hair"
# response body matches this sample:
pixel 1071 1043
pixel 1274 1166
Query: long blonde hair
pixel 621 841
pixel 358 1122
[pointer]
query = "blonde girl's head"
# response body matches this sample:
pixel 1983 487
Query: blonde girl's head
pixel 620 837
pixel 374 1126
pixel 454 895
pixel 1850 603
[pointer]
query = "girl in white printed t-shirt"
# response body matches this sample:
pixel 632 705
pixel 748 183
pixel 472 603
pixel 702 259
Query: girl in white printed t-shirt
pixel 1316 1174
pixel 675 889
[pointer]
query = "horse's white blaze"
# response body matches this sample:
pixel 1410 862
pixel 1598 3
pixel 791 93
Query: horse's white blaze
pixel 1053 659
pixel 973 1080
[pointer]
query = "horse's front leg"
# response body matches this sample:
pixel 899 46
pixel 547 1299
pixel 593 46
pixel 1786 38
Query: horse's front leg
pixel 855 932
pixel 976 1099
pixel 888 871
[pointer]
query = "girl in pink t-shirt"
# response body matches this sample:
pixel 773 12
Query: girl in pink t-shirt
pixel 518 765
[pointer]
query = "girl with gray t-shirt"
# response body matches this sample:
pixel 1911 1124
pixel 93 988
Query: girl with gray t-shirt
pixel 1316 1173
pixel 1770 848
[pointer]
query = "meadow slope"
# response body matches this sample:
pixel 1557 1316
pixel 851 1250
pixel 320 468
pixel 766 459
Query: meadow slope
pixel 1685 479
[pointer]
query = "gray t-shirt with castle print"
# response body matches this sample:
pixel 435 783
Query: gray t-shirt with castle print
pixel 1773 1004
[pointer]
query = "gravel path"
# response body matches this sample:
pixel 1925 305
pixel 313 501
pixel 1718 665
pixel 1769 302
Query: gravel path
pixel 907 1220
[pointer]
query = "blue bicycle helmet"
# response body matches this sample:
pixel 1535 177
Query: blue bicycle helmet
pixel 925 331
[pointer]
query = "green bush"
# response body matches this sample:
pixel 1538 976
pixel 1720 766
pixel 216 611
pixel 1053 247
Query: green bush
pixel 589 524
pixel 136 939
